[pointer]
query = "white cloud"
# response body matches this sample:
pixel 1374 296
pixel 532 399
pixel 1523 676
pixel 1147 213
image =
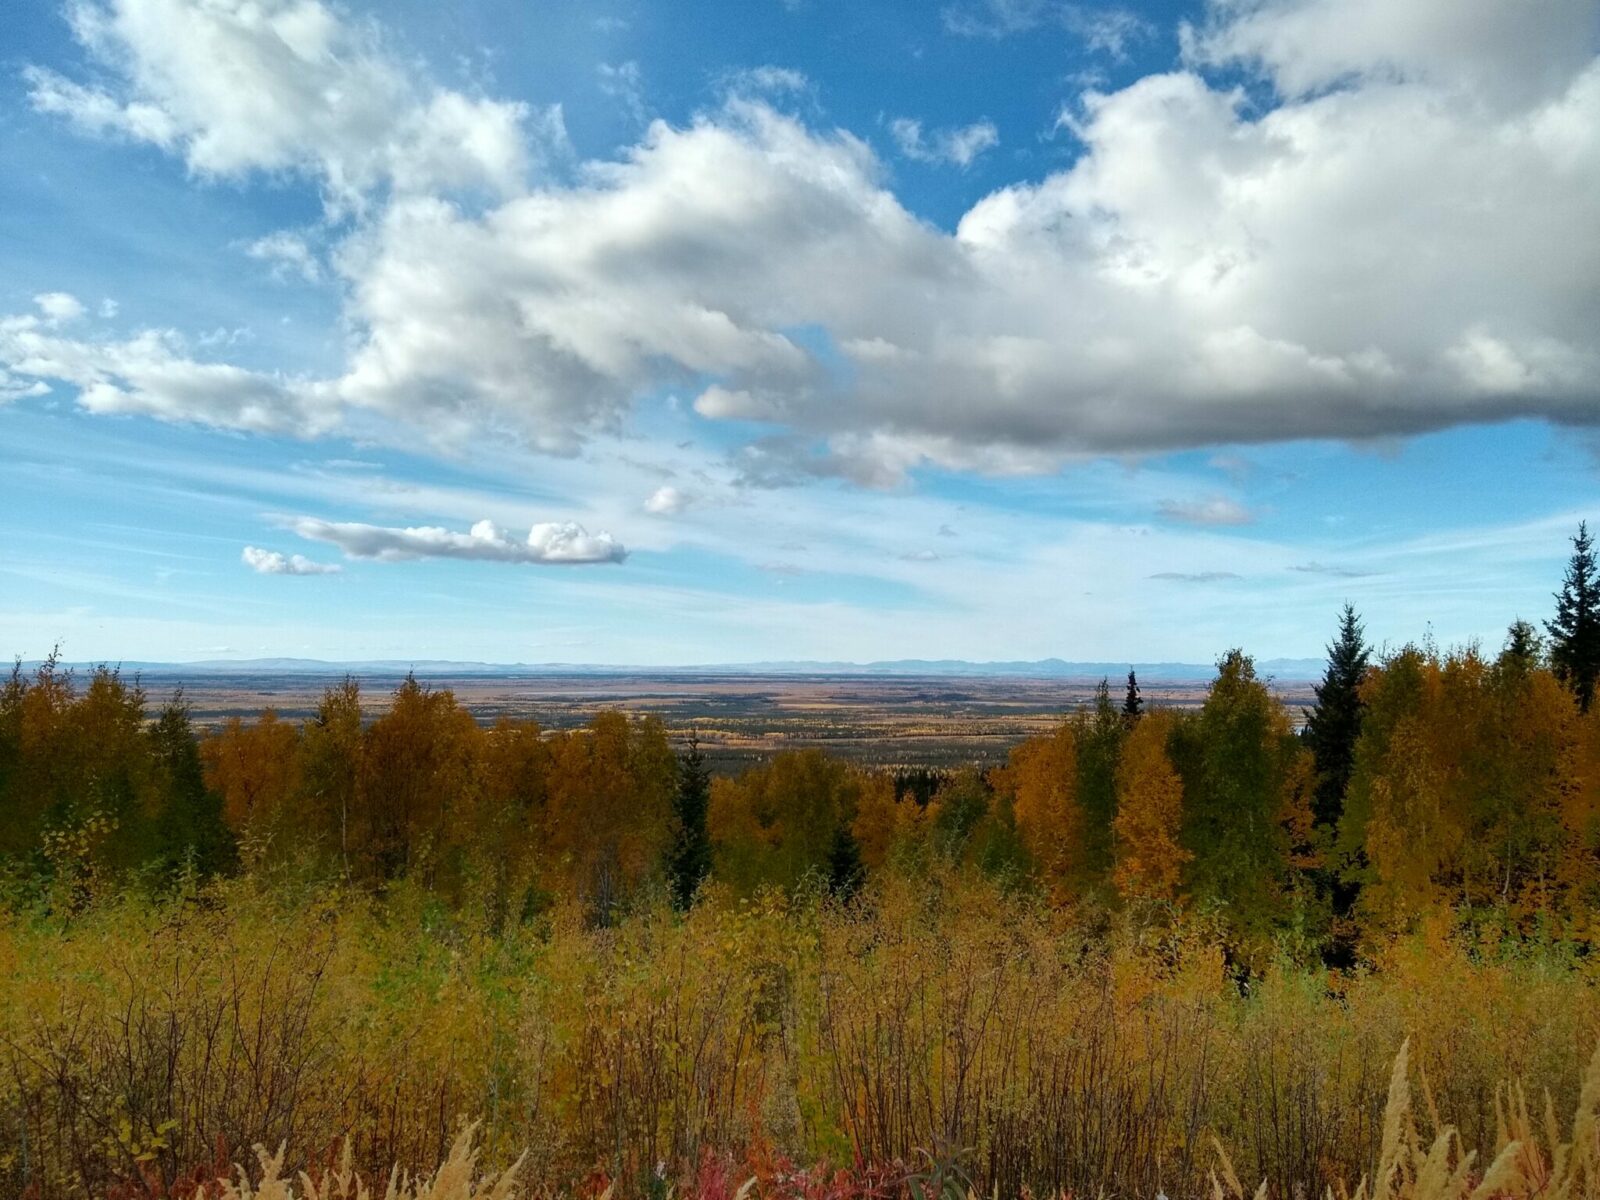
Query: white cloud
pixel 550 542
pixel 624 83
pixel 1488 50
pixel 957 147
pixel 12 388
pixel 272 562
pixel 237 86
pixel 668 501
pixel 1212 510
pixel 1108 30
pixel 766 80
pixel 59 307
pixel 151 374
pixel 287 252
pixel 1405 243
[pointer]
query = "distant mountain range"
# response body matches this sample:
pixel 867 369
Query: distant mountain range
pixel 1045 668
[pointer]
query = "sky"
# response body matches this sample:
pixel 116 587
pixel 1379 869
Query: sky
pixel 643 333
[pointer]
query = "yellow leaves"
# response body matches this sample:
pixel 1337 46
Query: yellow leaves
pixel 1149 859
pixel 1042 778
pixel 881 821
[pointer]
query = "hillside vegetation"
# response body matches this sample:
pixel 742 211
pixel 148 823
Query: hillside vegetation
pixel 1157 952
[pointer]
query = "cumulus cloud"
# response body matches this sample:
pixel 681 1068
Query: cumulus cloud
pixel 1504 53
pixel 1210 510
pixel 237 86
pixel 668 501
pixel 1403 243
pixel 552 542
pixel 272 562
pixel 958 147
pixel 59 307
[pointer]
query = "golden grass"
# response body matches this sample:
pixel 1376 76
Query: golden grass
pixel 1021 1048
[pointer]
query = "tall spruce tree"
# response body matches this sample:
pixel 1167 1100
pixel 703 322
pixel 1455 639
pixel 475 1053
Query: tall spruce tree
pixel 189 830
pixel 1132 701
pixel 1575 631
pixel 1523 645
pixel 1333 726
pixel 690 860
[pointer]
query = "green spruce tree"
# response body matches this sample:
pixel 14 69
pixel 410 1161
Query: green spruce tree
pixel 846 871
pixel 190 833
pixel 1575 631
pixel 1524 646
pixel 690 860
pixel 1098 732
pixel 1132 701
pixel 1333 726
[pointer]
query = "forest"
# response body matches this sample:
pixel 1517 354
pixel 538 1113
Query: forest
pixel 1160 951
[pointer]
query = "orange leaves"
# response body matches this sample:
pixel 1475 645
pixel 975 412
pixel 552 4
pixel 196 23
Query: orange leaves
pixel 609 817
pixel 256 770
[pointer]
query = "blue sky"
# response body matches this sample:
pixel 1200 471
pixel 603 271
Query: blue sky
pixel 604 333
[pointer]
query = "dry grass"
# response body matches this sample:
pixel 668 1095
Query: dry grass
pixel 941 1032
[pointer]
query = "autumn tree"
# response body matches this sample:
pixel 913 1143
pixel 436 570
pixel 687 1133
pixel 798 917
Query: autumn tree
pixel 1040 784
pixel 255 769
pixel 610 808
pixel 779 822
pixel 415 790
pixel 326 817
pixel 1149 856
pixel 1575 630
pixel 1467 784
pixel 885 818
pixel 509 828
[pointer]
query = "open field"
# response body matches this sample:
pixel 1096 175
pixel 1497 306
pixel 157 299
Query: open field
pixel 929 721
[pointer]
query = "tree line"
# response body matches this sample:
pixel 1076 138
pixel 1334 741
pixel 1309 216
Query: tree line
pixel 1421 781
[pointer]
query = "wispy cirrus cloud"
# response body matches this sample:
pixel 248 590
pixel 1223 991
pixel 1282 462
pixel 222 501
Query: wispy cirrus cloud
pixel 1195 576
pixel 1333 570
pixel 1208 510
pixel 958 146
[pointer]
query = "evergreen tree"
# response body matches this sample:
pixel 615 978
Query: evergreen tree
pixel 189 829
pixel 1524 647
pixel 1132 702
pixel 1575 632
pixel 1333 726
pixel 1098 733
pixel 690 860
pixel 846 872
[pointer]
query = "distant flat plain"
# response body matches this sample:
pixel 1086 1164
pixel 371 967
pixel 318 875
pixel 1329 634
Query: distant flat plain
pixel 889 722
